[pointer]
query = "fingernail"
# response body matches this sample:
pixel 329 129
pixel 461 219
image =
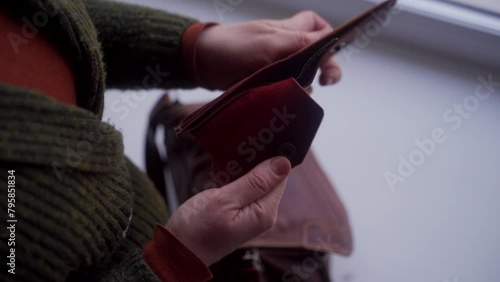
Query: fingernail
pixel 330 81
pixel 280 166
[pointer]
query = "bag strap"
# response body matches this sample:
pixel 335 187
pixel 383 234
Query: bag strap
pixel 157 163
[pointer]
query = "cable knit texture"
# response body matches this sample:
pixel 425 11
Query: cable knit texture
pixel 83 210
pixel 58 152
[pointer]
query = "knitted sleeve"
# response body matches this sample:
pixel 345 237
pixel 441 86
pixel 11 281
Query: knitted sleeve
pixel 141 45
pixel 130 268
pixel 69 215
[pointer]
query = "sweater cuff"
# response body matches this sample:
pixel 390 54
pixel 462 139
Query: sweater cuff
pixel 171 260
pixel 189 43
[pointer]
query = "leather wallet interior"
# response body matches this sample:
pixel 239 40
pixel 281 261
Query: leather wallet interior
pixel 268 113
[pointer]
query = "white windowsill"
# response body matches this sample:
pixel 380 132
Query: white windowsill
pixel 454 14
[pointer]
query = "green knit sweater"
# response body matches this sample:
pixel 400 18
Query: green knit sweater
pixel 84 216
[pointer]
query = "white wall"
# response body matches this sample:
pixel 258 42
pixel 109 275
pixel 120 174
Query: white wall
pixel 442 223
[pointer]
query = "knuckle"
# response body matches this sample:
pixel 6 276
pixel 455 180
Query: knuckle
pixel 257 180
pixel 301 39
pixel 260 213
pixel 310 13
pixel 305 13
pixel 267 26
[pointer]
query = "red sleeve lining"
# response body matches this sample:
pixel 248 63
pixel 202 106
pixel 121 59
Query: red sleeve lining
pixel 189 42
pixel 173 261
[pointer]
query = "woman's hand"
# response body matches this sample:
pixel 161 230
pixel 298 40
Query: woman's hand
pixel 215 222
pixel 228 53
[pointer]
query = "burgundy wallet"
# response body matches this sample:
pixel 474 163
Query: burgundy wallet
pixel 268 113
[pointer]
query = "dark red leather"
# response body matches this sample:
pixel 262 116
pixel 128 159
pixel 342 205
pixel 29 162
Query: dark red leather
pixel 270 121
pixel 249 107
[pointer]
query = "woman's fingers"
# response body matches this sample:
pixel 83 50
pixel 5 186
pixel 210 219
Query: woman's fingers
pixel 305 21
pixel 330 72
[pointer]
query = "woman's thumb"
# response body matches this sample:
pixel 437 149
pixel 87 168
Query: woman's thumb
pixel 259 182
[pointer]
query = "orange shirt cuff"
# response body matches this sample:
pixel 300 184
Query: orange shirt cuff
pixel 173 261
pixel 189 42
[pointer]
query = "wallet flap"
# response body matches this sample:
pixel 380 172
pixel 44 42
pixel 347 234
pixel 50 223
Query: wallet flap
pixel 266 121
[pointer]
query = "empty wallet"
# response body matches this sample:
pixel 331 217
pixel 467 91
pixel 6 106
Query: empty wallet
pixel 269 114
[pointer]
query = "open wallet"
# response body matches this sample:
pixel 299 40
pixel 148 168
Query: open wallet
pixel 269 113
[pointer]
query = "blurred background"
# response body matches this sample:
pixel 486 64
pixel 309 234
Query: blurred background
pixel 410 138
